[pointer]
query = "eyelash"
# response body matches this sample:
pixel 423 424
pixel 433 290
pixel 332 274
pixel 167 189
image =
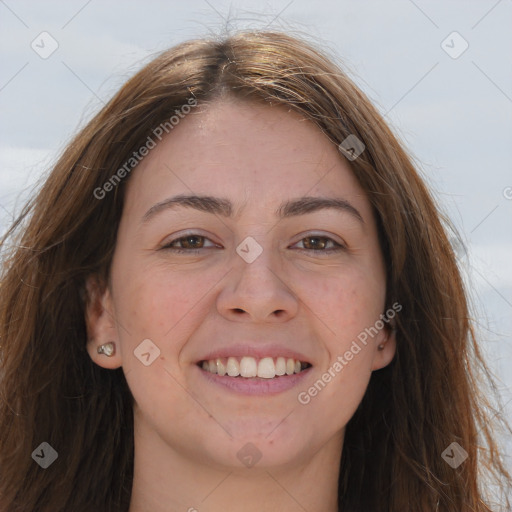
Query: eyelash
pixel 337 246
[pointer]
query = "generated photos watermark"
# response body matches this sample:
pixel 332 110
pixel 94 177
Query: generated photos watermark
pixel 137 156
pixel 304 397
pixel 45 455
pixel 352 146
pixel 454 455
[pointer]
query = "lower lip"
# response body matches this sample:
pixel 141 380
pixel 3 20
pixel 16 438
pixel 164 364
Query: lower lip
pixel 256 385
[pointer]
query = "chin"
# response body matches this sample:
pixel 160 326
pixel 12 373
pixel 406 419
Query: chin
pixel 254 448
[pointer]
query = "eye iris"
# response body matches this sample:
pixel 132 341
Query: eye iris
pixel 315 244
pixel 189 241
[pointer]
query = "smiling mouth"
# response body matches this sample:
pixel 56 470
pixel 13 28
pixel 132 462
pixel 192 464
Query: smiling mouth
pixel 250 367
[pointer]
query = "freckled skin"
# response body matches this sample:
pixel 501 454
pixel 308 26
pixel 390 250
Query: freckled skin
pixel 187 304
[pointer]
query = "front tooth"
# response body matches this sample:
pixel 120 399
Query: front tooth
pixel 221 369
pixel 290 366
pixel 232 367
pixel 266 368
pixel 297 366
pixel 248 367
pixel 212 366
pixel 280 366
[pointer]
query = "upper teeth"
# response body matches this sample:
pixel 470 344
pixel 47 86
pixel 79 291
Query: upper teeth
pixel 265 368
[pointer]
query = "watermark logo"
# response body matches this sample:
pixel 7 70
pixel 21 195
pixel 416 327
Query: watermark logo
pixel 249 455
pixel 454 45
pixel 454 455
pixel 147 352
pixel 352 147
pixel 45 455
pixel 249 249
pixel 44 45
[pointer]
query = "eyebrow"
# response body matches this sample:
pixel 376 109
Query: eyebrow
pixel 224 207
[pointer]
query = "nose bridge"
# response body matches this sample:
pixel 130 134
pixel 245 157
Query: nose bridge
pixel 256 285
pixel 258 263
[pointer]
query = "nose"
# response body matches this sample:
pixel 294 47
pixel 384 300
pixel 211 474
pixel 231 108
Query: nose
pixel 257 291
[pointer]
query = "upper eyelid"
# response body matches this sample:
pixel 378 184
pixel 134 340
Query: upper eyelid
pixel 185 235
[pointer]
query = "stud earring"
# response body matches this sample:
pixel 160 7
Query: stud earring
pixel 108 349
pixel 381 346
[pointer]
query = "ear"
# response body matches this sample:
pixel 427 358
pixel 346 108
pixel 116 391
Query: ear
pixel 100 322
pixel 387 340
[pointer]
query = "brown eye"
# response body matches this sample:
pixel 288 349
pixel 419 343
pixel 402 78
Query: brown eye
pixel 320 244
pixel 316 242
pixel 189 243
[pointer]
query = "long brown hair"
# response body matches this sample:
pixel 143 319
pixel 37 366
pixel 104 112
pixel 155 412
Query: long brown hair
pixel 51 391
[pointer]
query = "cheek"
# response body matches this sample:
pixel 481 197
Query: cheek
pixel 333 398
pixel 159 304
pixel 346 307
pixel 346 302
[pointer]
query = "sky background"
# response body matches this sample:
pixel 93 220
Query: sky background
pixel 447 96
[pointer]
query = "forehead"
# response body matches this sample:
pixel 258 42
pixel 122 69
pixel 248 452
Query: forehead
pixel 254 153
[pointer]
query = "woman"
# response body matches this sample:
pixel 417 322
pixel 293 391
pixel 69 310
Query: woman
pixel 234 292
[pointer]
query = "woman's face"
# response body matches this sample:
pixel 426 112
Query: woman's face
pixel 251 274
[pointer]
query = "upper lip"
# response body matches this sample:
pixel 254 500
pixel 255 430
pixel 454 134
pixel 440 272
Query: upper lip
pixel 257 351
